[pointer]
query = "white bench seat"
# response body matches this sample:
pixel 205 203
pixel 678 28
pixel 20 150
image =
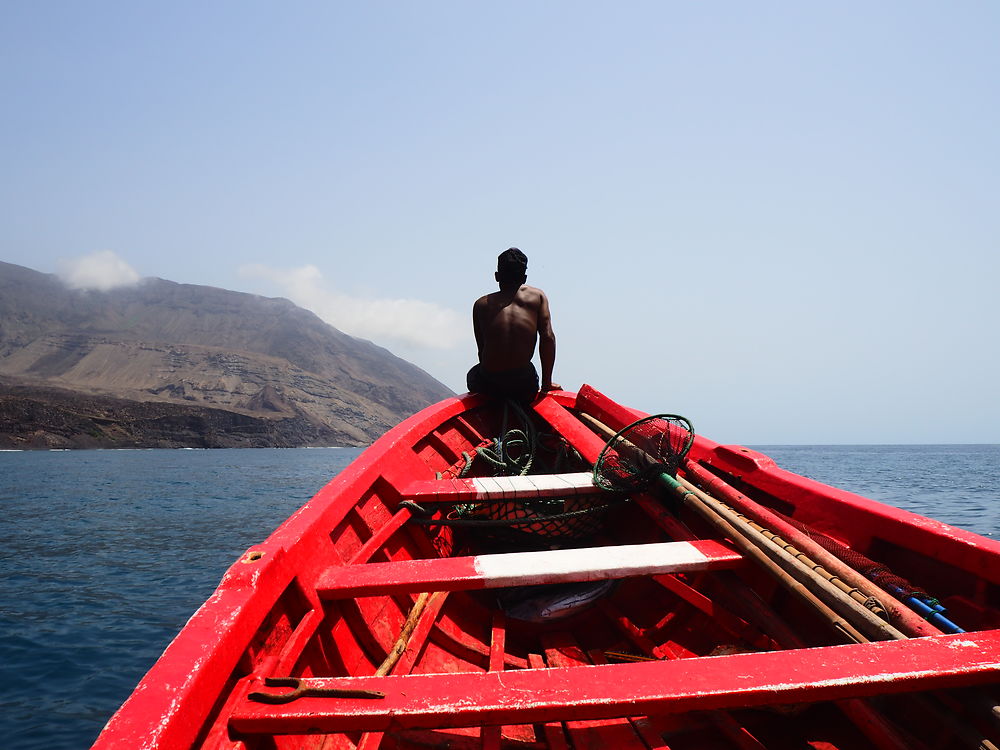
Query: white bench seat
pixel 483 489
pixel 525 568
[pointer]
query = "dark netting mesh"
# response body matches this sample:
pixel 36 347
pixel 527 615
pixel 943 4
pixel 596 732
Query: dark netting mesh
pixel 573 518
pixel 637 455
pixel 542 522
pixel 876 572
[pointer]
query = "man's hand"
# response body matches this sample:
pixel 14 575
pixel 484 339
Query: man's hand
pixel 551 387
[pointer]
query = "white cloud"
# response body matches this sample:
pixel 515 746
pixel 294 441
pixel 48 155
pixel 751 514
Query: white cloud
pixel 407 321
pixel 102 270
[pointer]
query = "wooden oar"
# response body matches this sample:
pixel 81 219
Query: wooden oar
pixel 900 615
pixel 752 550
pixel 743 536
pixel 802 569
pixel 800 578
pixel 880 626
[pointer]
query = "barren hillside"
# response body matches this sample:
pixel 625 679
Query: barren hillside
pixel 186 346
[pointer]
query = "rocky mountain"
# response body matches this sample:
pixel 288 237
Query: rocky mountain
pixel 161 364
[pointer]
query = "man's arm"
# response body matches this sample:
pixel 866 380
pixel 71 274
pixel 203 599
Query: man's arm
pixel 546 344
pixel 477 326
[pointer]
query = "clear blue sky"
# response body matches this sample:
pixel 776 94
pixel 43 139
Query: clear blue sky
pixel 779 219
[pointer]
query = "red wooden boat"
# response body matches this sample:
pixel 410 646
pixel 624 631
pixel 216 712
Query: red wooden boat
pixel 465 584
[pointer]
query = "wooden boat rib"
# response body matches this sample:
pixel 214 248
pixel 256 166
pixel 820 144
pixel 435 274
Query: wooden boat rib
pixel 423 598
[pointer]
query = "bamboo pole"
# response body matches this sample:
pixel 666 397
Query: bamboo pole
pixel 753 551
pixel 794 566
pixel 900 615
pixel 803 570
pixel 736 529
pixel 968 734
pixel 404 635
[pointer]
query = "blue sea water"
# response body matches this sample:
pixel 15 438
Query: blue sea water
pixel 957 484
pixel 106 554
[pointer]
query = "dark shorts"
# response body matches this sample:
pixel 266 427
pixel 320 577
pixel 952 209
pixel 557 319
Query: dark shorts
pixel 519 384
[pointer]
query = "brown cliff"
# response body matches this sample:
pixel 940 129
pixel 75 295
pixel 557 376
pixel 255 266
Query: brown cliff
pixel 162 364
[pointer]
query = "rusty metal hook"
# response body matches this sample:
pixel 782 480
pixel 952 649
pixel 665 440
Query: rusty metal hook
pixel 304 689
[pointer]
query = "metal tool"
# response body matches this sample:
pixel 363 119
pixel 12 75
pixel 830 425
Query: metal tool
pixel 304 689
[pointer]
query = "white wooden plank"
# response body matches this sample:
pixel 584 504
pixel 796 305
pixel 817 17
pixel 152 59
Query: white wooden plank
pixel 588 564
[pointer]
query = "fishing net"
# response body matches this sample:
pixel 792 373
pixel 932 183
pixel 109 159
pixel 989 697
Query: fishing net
pixel 572 518
pixel 527 523
pixel 876 572
pixel 519 450
pixel 638 454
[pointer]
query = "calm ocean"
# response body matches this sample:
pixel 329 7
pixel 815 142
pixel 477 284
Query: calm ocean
pixel 106 554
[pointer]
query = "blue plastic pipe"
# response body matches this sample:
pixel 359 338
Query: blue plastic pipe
pixel 930 612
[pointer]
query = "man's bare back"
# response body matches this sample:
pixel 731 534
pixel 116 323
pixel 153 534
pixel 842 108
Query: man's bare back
pixel 507 324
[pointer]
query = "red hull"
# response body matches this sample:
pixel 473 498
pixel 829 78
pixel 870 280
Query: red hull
pixel 695 646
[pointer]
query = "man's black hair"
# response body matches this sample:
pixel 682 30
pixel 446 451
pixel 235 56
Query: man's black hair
pixel 512 264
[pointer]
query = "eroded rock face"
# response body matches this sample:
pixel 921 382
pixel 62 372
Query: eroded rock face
pixel 165 363
pixel 49 418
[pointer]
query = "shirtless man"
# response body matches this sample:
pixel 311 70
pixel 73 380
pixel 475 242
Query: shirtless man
pixel 507 324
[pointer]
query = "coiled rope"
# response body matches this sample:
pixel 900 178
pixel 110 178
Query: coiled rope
pixel 513 452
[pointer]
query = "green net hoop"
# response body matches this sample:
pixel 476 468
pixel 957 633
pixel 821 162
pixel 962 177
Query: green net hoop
pixel 638 454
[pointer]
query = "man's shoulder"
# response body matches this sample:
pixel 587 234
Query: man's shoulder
pixel 531 294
